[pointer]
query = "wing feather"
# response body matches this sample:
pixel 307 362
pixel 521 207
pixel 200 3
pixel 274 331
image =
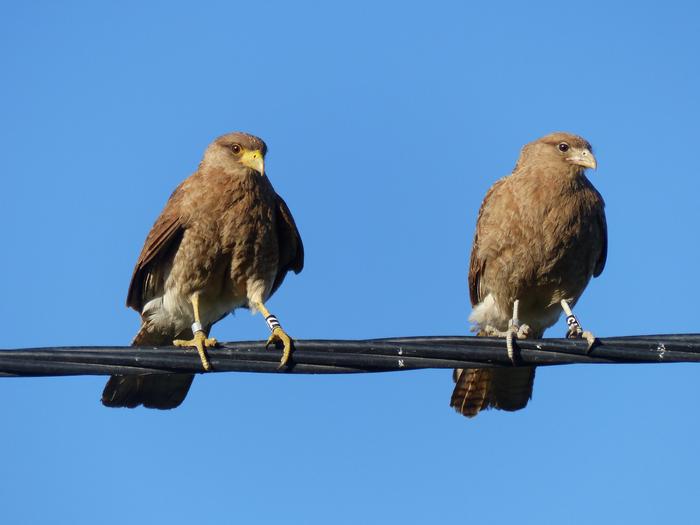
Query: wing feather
pixel 149 275
pixel 603 228
pixel 291 249
pixel 477 263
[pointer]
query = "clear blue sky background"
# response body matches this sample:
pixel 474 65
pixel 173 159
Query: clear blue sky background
pixel 386 125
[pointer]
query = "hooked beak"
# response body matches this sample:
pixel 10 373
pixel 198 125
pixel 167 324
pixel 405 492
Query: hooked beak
pixel 255 161
pixel 583 158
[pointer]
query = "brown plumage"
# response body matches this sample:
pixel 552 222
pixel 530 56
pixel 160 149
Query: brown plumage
pixel 224 240
pixel 540 237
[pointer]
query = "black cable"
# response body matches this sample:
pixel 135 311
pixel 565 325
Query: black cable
pixel 340 356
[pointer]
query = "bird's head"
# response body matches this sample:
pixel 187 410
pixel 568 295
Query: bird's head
pixel 560 148
pixel 235 150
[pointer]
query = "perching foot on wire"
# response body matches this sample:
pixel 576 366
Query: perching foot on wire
pixel 200 341
pixel 574 330
pixel 278 335
pixel 515 331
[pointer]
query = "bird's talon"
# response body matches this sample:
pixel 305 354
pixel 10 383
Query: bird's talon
pixel 200 341
pixel 284 360
pixel 574 332
pixel 509 346
pixel 490 331
pixel 523 332
pixel 515 332
pixel 280 336
pixel 588 336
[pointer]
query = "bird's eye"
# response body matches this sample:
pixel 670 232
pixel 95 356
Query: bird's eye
pixel 236 148
pixel 563 147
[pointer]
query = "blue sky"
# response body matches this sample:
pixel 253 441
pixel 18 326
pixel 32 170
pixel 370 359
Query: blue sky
pixel 386 124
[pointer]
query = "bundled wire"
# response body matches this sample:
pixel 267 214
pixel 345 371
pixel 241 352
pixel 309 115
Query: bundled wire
pixel 343 356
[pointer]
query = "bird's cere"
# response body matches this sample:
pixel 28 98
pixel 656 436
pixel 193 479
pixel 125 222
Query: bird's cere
pixel 254 160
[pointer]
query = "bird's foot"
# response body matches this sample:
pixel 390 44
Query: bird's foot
pixel 200 342
pixel 522 331
pixel 280 336
pixel 576 332
pixel 515 332
pixel 490 331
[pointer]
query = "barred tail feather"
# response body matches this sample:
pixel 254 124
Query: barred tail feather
pixel 479 389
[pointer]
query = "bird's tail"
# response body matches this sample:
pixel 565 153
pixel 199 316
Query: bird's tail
pixel 477 389
pixel 161 391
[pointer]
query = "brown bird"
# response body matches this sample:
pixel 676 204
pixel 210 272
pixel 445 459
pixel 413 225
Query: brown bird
pixel 540 237
pixel 225 240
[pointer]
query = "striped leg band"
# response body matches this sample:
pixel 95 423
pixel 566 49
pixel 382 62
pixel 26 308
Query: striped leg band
pixel 272 322
pixel 571 321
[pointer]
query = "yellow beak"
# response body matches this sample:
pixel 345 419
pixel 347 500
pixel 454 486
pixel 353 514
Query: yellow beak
pixel 254 160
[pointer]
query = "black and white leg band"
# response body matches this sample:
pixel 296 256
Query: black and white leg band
pixel 272 322
pixel 571 320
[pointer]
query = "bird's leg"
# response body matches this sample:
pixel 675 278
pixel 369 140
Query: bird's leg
pixel 200 339
pixel 574 330
pixel 278 334
pixel 515 330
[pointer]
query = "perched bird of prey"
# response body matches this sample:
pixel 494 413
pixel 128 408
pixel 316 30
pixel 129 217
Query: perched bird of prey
pixel 225 240
pixel 540 237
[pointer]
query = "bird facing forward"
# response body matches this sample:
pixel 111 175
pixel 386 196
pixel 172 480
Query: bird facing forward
pixel 225 240
pixel 540 237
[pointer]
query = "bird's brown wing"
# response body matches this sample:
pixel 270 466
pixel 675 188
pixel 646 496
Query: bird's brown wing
pixel 603 229
pixel 476 267
pixel 478 389
pixel 149 274
pixel 476 263
pixel 291 249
